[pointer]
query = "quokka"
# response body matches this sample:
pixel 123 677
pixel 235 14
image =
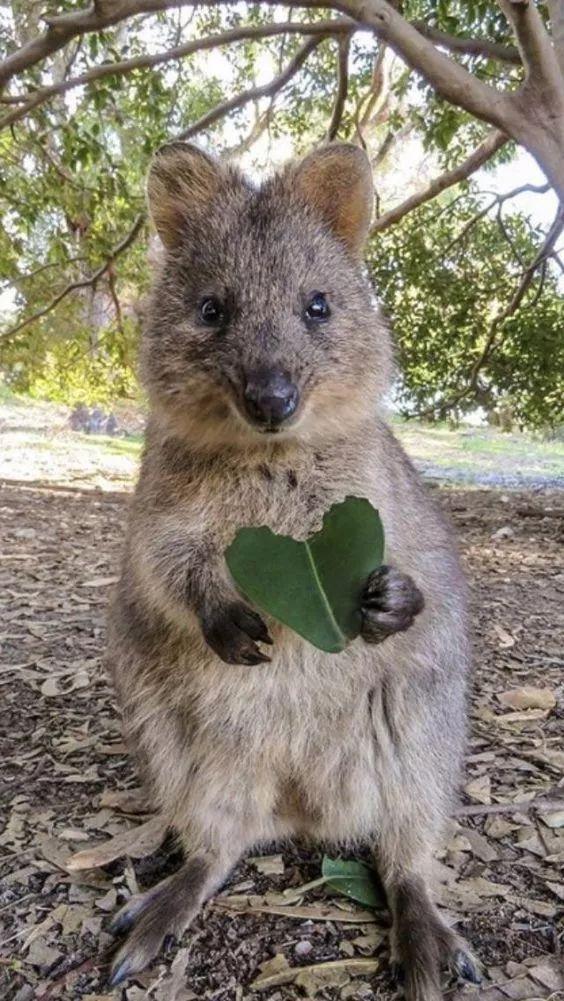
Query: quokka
pixel 266 362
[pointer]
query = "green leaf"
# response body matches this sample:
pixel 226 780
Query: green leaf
pixel 355 880
pixel 314 587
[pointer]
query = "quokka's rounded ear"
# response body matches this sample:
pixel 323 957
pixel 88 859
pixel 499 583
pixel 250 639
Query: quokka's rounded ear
pixel 182 183
pixel 336 181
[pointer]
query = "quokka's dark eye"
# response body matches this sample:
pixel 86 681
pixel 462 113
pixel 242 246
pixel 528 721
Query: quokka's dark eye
pixel 317 310
pixel 212 311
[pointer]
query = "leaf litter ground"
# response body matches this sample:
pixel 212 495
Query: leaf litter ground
pixel 67 786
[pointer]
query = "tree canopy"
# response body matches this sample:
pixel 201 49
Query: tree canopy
pixel 434 89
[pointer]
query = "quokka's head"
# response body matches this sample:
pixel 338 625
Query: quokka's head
pixel 262 326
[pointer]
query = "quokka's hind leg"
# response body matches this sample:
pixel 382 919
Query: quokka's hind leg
pixel 423 947
pixel 166 909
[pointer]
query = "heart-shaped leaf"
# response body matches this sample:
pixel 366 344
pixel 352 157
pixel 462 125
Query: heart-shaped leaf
pixel 355 880
pixel 314 587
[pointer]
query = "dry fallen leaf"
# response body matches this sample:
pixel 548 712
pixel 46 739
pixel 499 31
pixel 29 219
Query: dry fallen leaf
pixel 313 912
pixel 480 845
pixel 549 973
pixel 42 954
pixel 528 698
pixel 139 842
pixel 268 865
pixel 553 819
pixel 56 916
pixel 479 789
pixel 557 889
pixel 318 975
pixel 505 639
pixel 521 716
pixel 51 687
pixel 127 801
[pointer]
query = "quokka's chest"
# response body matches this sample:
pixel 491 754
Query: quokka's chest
pixel 289 497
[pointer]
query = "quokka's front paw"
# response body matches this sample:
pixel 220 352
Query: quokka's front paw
pixel 232 630
pixel 390 603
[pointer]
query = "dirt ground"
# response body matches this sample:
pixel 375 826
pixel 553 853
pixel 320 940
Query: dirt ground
pixel 63 769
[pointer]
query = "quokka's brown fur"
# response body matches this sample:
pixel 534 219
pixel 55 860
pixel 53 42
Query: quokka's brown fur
pixel 360 747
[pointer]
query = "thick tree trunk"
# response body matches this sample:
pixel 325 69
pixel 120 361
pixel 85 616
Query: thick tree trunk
pixel 547 147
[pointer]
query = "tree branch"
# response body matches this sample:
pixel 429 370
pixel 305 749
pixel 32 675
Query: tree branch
pixel 62 28
pixel 27 276
pixel 469 46
pixel 449 78
pixel 533 40
pixel 542 255
pixel 377 83
pixel 556 12
pixel 498 200
pixel 88 282
pixel 254 93
pixel 342 88
pixel 43 94
pixel 490 145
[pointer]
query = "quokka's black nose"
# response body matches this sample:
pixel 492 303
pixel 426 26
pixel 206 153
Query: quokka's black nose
pixel 270 398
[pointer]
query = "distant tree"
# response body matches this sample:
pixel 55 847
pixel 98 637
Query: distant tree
pixel 90 92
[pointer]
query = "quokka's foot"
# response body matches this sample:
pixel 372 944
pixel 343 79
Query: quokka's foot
pixel 390 603
pixel 149 918
pixel 424 948
pixel 232 631
pixel 458 965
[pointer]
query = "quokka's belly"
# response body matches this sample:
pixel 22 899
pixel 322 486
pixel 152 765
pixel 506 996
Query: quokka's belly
pixel 297 736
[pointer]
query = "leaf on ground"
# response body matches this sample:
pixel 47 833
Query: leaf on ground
pixel 368 943
pixel 175 987
pixel 318 975
pixel 556 888
pixel 519 989
pixel 480 845
pixel 314 912
pixel 539 907
pixel 479 886
pixel 108 901
pixel 127 801
pixel 51 686
pixel 42 954
pixel 139 842
pixel 54 852
pixel 497 827
pixel 505 639
pixel 521 716
pixel 553 820
pixel 479 789
pixel 528 698
pixel 56 916
pixel 355 880
pixel 548 973
pixel 278 964
pixel 268 865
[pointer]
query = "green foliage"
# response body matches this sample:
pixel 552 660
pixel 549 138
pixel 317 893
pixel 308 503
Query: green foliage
pixel 444 279
pixel 355 880
pixel 313 586
pixel 72 180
